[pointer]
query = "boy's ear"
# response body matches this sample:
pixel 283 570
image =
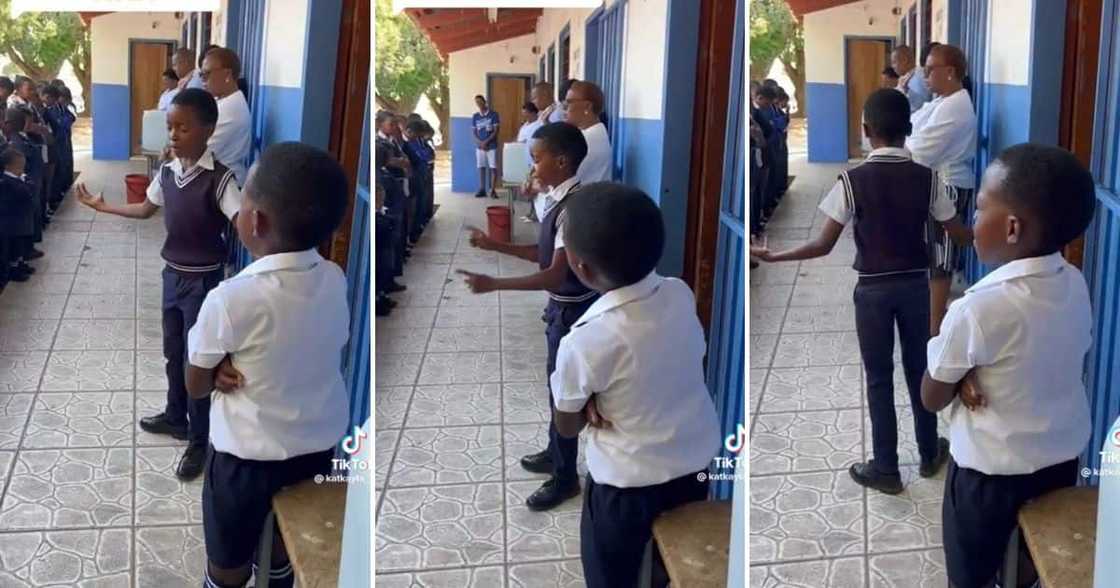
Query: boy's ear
pixel 866 130
pixel 1014 229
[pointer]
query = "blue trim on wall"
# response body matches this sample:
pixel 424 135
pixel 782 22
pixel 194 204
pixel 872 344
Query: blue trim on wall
pixel 952 14
pixel 1008 122
pixel 828 125
pixel 110 106
pixel 281 110
pixel 1047 54
pixel 464 171
pixel 320 58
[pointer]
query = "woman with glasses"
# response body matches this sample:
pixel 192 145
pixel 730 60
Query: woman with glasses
pixel 944 138
pixel 231 140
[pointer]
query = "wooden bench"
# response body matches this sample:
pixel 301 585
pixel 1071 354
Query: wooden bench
pixel 1060 532
pixel 310 517
pixel 694 540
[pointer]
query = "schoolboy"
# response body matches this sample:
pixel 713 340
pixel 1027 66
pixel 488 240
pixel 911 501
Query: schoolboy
pixel 61 121
pixel 17 221
pixel 15 122
pixel 276 330
pixel 557 150
pixel 200 198
pixel 485 125
pixel 888 198
pixel 633 368
pixel 1013 350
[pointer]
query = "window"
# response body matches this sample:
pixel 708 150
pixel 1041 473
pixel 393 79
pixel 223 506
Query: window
pixel 606 30
pixel 204 24
pixel 565 54
pixel 550 65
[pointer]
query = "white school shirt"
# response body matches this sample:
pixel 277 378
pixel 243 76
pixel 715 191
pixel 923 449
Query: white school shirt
pixel 944 138
pixel 284 320
pixel 837 207
pixel 640 350
pixel 598 166
pixel 232 139
pixel 166 98
pixel 229 195
pixel 548 201
pixel 525 133
pixel 1026 328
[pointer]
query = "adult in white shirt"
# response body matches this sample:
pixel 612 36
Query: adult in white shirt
pixel 232 138
pixel 170 89
pixel 530 122
pixel 549 110
pixel 911 79
pixel 585 104
pixel 944 138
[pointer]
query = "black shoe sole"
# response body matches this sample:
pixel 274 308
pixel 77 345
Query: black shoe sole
pixel 180 434
pixel 538 467
pixel 875 484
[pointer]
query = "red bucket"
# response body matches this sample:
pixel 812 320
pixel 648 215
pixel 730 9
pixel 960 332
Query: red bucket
pixel 498 223
pixel 136 188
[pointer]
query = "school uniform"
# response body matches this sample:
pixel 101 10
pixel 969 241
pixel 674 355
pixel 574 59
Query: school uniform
pixel 640 350
pixel 199 204
pixel 890 198
pixel 51 157
pixel 61 121
pixel 284 321
pixel 1025 329
pixel 944 138
pixel 17 222
pixel 33 171
pixel 598 166
pixel 418 184
pixel 565 305
pixel 391 179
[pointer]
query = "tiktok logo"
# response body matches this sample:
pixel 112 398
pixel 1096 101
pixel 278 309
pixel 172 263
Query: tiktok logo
pixel 1116 437
pixel 353 443
pixel 737 440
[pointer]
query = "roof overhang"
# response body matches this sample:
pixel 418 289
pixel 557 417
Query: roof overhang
pixel 456 29
pixel 87 17
pixel 802 7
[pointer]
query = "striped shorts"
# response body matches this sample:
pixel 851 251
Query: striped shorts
pixel 945 256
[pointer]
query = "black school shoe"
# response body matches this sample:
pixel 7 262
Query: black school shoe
pixel 865 474
pixel 931 468
pixel 23 268
pixel 395 287
pixel 18 275
pixel 538 463
pixel 480 194
pixel 552 494
pixel 35 254
pixel 191 463
pixel 160 425
pixel 383 306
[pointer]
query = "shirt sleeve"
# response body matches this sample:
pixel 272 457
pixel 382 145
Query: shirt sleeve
pixel 155 191
pixel 942 206
pixel 229 196
pixel 211 338
pixel 836 205
pixel 572 382
pixel 959 348
pixel 931 145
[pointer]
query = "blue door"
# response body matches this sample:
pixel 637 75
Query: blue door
pixel 1102 242
pixel 356 364
pixel 726 349
pixel 974 42
pixel 605 32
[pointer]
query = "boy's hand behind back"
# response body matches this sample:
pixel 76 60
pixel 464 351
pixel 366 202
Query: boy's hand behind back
pixel 226 377
pixel 971 395
pixel 594 417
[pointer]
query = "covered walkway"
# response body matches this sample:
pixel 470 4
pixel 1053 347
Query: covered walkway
pixel 87 498
pixel 811 525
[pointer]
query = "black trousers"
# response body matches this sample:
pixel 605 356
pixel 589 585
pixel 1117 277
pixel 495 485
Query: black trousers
pixel 383 249
pixel 979 511
pixel 617 523
pixel 182 299
pixel 559 318
pixel 881 304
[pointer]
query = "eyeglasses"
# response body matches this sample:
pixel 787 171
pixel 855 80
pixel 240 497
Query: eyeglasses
pixel 931 68
pixel 204 74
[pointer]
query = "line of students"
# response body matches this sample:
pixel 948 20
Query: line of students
pixel 37 155
pixel 405 198
pixel 770 151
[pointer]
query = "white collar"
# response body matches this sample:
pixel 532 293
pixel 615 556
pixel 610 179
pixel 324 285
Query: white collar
pixel 620 296
pixel 283 261
pixel 1021 268
pixel 559 192
pixel 11 175
pixel 205 162
pixel 889 154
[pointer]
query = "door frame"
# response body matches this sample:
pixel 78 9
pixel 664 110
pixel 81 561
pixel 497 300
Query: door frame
pixel 891 44
pixel 173 44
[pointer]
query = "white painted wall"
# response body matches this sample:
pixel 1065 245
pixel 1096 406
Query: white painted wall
pixel 551 23
pixel 110 34
pixel 825 31
pixel 940 29
pixel 1009 49
pixel 218 24
pixel 285 33
pixel 467 69
pixel 643 65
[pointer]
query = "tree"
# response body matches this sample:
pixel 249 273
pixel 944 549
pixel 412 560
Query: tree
pixel 777 34
pixel 407 64
pixel 38 43
pixel 80 61
pixel 439 96
pixel 793 59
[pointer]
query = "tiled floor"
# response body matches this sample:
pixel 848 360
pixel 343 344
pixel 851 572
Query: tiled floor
pixel 460 397
pixel 87 499
pixel 811 526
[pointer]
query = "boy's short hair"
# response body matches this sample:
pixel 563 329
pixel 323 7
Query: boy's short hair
pixel 170 74
pixel 305 191
pixel 565 139
pixel 890 72
pixel 10 155
pixel 617 229
pixel 782 95
pixel 480 97
pixel 770 83
pixel 414 116
pixel 226 58
pixel 51 91
pixel 1053 184
pixel 768 92
pixel 65 93
pixel 201 102
pixel 383 116
pixel 530 107
pixel 428 128
pixel 58 83
pixel 887 114
pixel 415 127
pixel 6 84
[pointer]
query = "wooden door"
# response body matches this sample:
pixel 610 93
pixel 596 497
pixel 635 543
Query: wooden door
pixel 145 81
pixel 506 95
pixel 1079 89
pixel 866 59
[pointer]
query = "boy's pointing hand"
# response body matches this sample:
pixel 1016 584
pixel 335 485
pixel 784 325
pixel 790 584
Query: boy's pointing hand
pixel 478 283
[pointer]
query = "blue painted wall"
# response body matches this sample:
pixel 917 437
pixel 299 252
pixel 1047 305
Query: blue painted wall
pixel 828 123
pixel 464 169
pixel 1007 108
pixel 281 110
pixel 320 56
pixel 110 108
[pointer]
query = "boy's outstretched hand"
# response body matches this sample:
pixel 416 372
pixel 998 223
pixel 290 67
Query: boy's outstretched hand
pixel 594 418
pixel 479 239
pixel 478 283
pixel 971 395
pixel 226 377
pixel 84 196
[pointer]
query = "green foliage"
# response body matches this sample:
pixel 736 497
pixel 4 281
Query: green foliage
pixel 408 65
pixel 774 32
pixel 39 42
